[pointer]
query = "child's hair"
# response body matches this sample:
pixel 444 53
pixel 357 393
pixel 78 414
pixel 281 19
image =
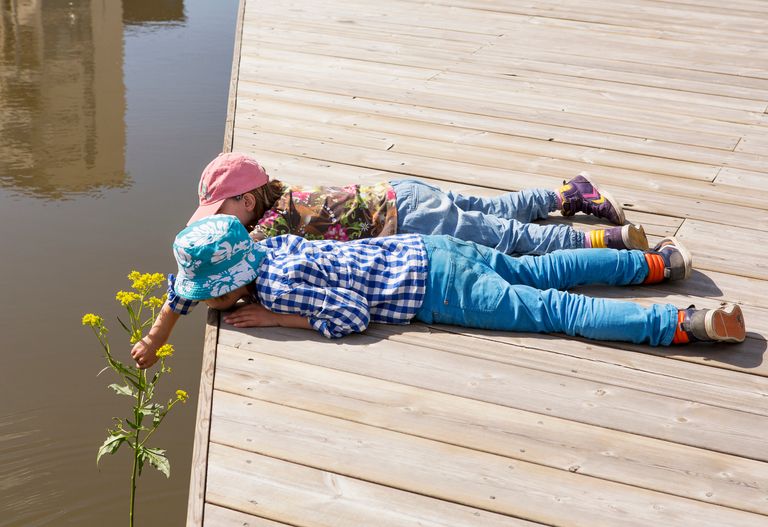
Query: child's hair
pixel 266 197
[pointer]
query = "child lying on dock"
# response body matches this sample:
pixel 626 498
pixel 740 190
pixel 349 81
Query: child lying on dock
pixel 236 184
pixel 339 288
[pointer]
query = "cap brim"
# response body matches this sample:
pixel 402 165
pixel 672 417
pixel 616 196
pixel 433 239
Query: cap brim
pixel 203 211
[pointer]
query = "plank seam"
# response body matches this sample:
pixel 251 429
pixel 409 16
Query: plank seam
pixel 371 482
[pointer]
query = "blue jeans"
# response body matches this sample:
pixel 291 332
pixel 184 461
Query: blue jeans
pixel 502 222
pixel 473 286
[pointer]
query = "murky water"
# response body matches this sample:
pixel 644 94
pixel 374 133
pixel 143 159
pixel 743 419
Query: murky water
pixel 108 112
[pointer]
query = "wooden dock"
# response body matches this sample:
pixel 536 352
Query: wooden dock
pixel 664 103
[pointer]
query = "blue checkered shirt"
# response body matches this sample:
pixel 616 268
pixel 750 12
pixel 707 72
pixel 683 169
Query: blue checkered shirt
pixel 342 287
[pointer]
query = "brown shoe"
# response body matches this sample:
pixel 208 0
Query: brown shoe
pixel 724 324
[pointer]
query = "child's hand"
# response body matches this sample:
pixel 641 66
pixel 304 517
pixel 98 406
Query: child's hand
pixel 251 315
pixel 144 352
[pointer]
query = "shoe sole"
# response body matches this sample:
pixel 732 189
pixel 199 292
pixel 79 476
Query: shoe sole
pixel 634 237
pixel 726 324
pixel 686 254
pixel 615 204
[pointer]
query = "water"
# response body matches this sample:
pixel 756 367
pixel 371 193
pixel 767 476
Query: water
pixel 108 113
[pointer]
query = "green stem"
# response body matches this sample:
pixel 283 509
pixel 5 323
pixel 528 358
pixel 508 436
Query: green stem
pixel 133 480
pixel 137 444
pixel 155 427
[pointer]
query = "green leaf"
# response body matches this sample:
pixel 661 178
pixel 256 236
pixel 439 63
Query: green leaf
pixel 134 425
pixel 124 326
pixel 140 459
pixel 157 459
pixel 121 368
pixel 123 390
pixel 111 445
pixel 135 384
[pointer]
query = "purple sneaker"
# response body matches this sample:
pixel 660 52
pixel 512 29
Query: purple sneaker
pixel 625 237
pixel 581 195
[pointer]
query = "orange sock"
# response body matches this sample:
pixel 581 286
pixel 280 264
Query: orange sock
pixel 655 268
pixel 681 337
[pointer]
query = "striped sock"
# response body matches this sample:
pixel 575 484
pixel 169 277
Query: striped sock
pixel 655 268
pixel 597 239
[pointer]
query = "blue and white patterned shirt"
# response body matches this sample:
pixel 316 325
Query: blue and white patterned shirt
pixel 339 287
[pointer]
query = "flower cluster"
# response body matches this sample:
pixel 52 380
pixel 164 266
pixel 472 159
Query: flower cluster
pixel 166 350
pixel 182 396
pixel 92 320
pixel 144 283
pixel 127 297
pixel 136 335
pixel 154 302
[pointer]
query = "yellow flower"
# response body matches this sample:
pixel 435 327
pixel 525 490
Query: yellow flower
pixel 133 276
pixel 154 302
pixel 166 350
pixel 92 320
pixel 182 396
pixel 144 283
pixel 127 297
pixel 135 336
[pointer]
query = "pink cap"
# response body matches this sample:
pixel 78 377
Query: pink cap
pixel 229 175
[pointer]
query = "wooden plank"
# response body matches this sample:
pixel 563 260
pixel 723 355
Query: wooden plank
pixel 295 49
pixel 592 451
pixel 666 131
pixel 221 517
pixel 255 92
pixel 552 67
pixel 450 473
pixel 299 495
pixel 745 253
pixel 310 121
pixel 415 15
pixel 598 362
pixel 197 480
pixel 589 114
pixel 234 80
pixel 743 179
pixel 593 94
pixel 571 398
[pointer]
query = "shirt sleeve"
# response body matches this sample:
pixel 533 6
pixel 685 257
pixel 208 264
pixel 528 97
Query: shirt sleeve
pixel 332 311
pixel 177 304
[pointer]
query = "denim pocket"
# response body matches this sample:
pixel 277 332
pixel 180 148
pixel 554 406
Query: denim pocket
pixel 471 292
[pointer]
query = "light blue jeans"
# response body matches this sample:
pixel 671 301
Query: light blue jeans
pixel 474 286
pixel 501 222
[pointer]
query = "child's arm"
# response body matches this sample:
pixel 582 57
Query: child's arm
pixel 256 315
pixel 331 311
pixel 144 351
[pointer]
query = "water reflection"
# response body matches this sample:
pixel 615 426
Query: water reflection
pixel 150 12
pixel 62 98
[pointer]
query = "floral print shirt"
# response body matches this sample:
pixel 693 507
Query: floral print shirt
pixel 331 213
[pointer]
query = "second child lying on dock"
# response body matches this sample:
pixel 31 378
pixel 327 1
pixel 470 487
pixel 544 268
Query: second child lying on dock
pixel 338 288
